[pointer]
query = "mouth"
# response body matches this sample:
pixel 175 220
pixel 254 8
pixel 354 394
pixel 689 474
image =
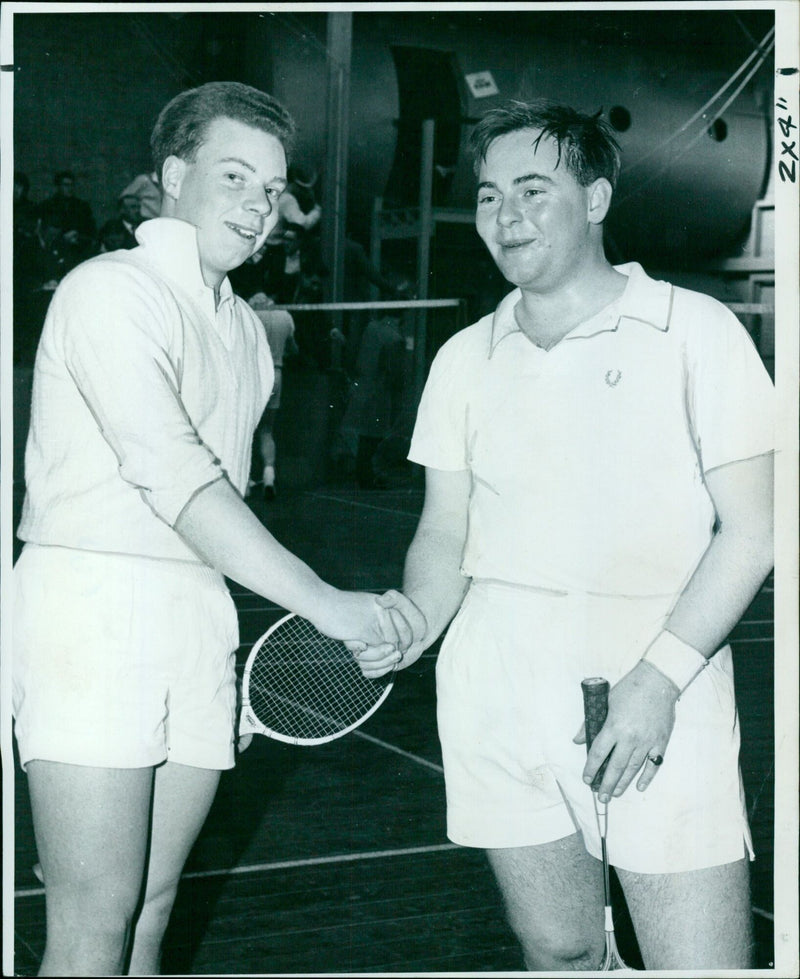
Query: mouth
pixel 246 234
pixel 511 246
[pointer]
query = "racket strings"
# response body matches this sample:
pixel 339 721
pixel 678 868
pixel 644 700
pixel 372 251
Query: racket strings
pixel 308 686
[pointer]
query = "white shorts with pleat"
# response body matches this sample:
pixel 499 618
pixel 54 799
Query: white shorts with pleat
pixel 122 661
pixel 510 703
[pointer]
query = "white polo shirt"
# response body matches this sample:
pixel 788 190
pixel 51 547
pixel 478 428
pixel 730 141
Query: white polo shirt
pixel 587 460
pixel 143 394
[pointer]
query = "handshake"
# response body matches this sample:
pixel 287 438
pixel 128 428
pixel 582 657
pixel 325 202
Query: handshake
pixel 383 632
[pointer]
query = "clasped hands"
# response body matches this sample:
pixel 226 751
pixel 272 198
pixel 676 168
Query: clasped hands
pixel 641 715
pixel 401 627
pixel 390 628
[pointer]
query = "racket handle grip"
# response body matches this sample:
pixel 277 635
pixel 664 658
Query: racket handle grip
pixel 595 710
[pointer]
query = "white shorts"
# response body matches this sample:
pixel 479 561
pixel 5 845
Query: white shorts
pixel 509 704
pixel 277 387
pixel 122 661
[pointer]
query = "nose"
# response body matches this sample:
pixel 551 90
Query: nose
pixel 259 202
pixel 508 212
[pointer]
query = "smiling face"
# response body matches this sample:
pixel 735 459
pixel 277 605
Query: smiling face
pixel 540 225
pixel 229 192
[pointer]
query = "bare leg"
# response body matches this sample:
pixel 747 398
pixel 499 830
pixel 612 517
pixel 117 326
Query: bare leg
pixel 181 802
pixel 700 919
pixel 266 440
pixel 554 900
pixel 91 827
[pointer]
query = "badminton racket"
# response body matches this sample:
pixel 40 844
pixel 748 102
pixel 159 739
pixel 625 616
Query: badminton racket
pixel 304 688
pixel 595 709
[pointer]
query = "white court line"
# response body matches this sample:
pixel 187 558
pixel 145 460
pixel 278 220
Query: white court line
pixel 313 861
pixel 319 861
pixel 256 868
pixel 399 751
pixel 366 506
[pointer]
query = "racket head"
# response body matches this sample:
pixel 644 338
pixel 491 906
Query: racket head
pixel 301 687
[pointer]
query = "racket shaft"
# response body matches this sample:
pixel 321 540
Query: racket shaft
pixel 595 710
pixel 248 723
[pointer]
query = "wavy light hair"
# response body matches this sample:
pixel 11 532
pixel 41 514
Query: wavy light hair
pixel 182 124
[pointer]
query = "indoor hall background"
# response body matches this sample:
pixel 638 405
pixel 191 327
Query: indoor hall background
pixel 336 860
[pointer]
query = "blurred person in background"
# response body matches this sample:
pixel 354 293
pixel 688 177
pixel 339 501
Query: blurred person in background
pixel 120 231
pixel 279 326
pixel 73 217
pixel 147 189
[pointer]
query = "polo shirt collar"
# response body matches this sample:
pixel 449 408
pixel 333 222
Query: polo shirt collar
pixel 504 322
pixel 644 300
pixel 171 244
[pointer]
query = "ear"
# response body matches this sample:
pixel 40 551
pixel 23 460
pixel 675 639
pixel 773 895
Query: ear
pixel 172 174
pixel 598 200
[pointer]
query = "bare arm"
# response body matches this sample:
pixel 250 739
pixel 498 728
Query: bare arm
pixel 729 575
pixel 738 560
pixel 223 531
pixel 432 578
pixel 291 212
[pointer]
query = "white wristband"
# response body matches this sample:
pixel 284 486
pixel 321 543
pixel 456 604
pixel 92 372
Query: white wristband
pixel 676 659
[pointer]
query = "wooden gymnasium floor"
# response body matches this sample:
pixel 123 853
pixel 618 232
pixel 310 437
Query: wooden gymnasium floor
pixel 334 859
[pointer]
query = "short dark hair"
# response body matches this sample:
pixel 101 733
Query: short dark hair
pixel 182 124
pixel 586 142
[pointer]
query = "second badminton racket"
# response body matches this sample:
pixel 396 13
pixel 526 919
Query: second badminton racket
pixel 595 710
pixel 304 688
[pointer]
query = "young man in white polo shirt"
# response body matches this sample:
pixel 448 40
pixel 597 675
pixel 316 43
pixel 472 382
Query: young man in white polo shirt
pixel 598 462
pixel 149 381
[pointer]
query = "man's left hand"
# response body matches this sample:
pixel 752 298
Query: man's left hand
pixel 641 715
pixel 401 618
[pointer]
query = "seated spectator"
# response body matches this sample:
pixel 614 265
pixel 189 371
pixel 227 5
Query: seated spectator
pixel 25 211
pixel 35 279
pixel 146 188
pixel 72 217
pixel 120 232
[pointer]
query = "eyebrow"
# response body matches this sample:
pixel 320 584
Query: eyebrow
pixel 240 161
pixel 518 180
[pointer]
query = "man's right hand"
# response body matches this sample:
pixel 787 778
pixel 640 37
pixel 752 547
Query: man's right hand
pixel 641 715
pixel 387 625
pixel 408 623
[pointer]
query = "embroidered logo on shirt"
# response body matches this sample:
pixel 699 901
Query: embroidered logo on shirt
pixel 613 378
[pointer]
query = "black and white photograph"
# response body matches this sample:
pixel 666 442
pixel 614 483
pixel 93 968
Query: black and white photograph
pixel 399 488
